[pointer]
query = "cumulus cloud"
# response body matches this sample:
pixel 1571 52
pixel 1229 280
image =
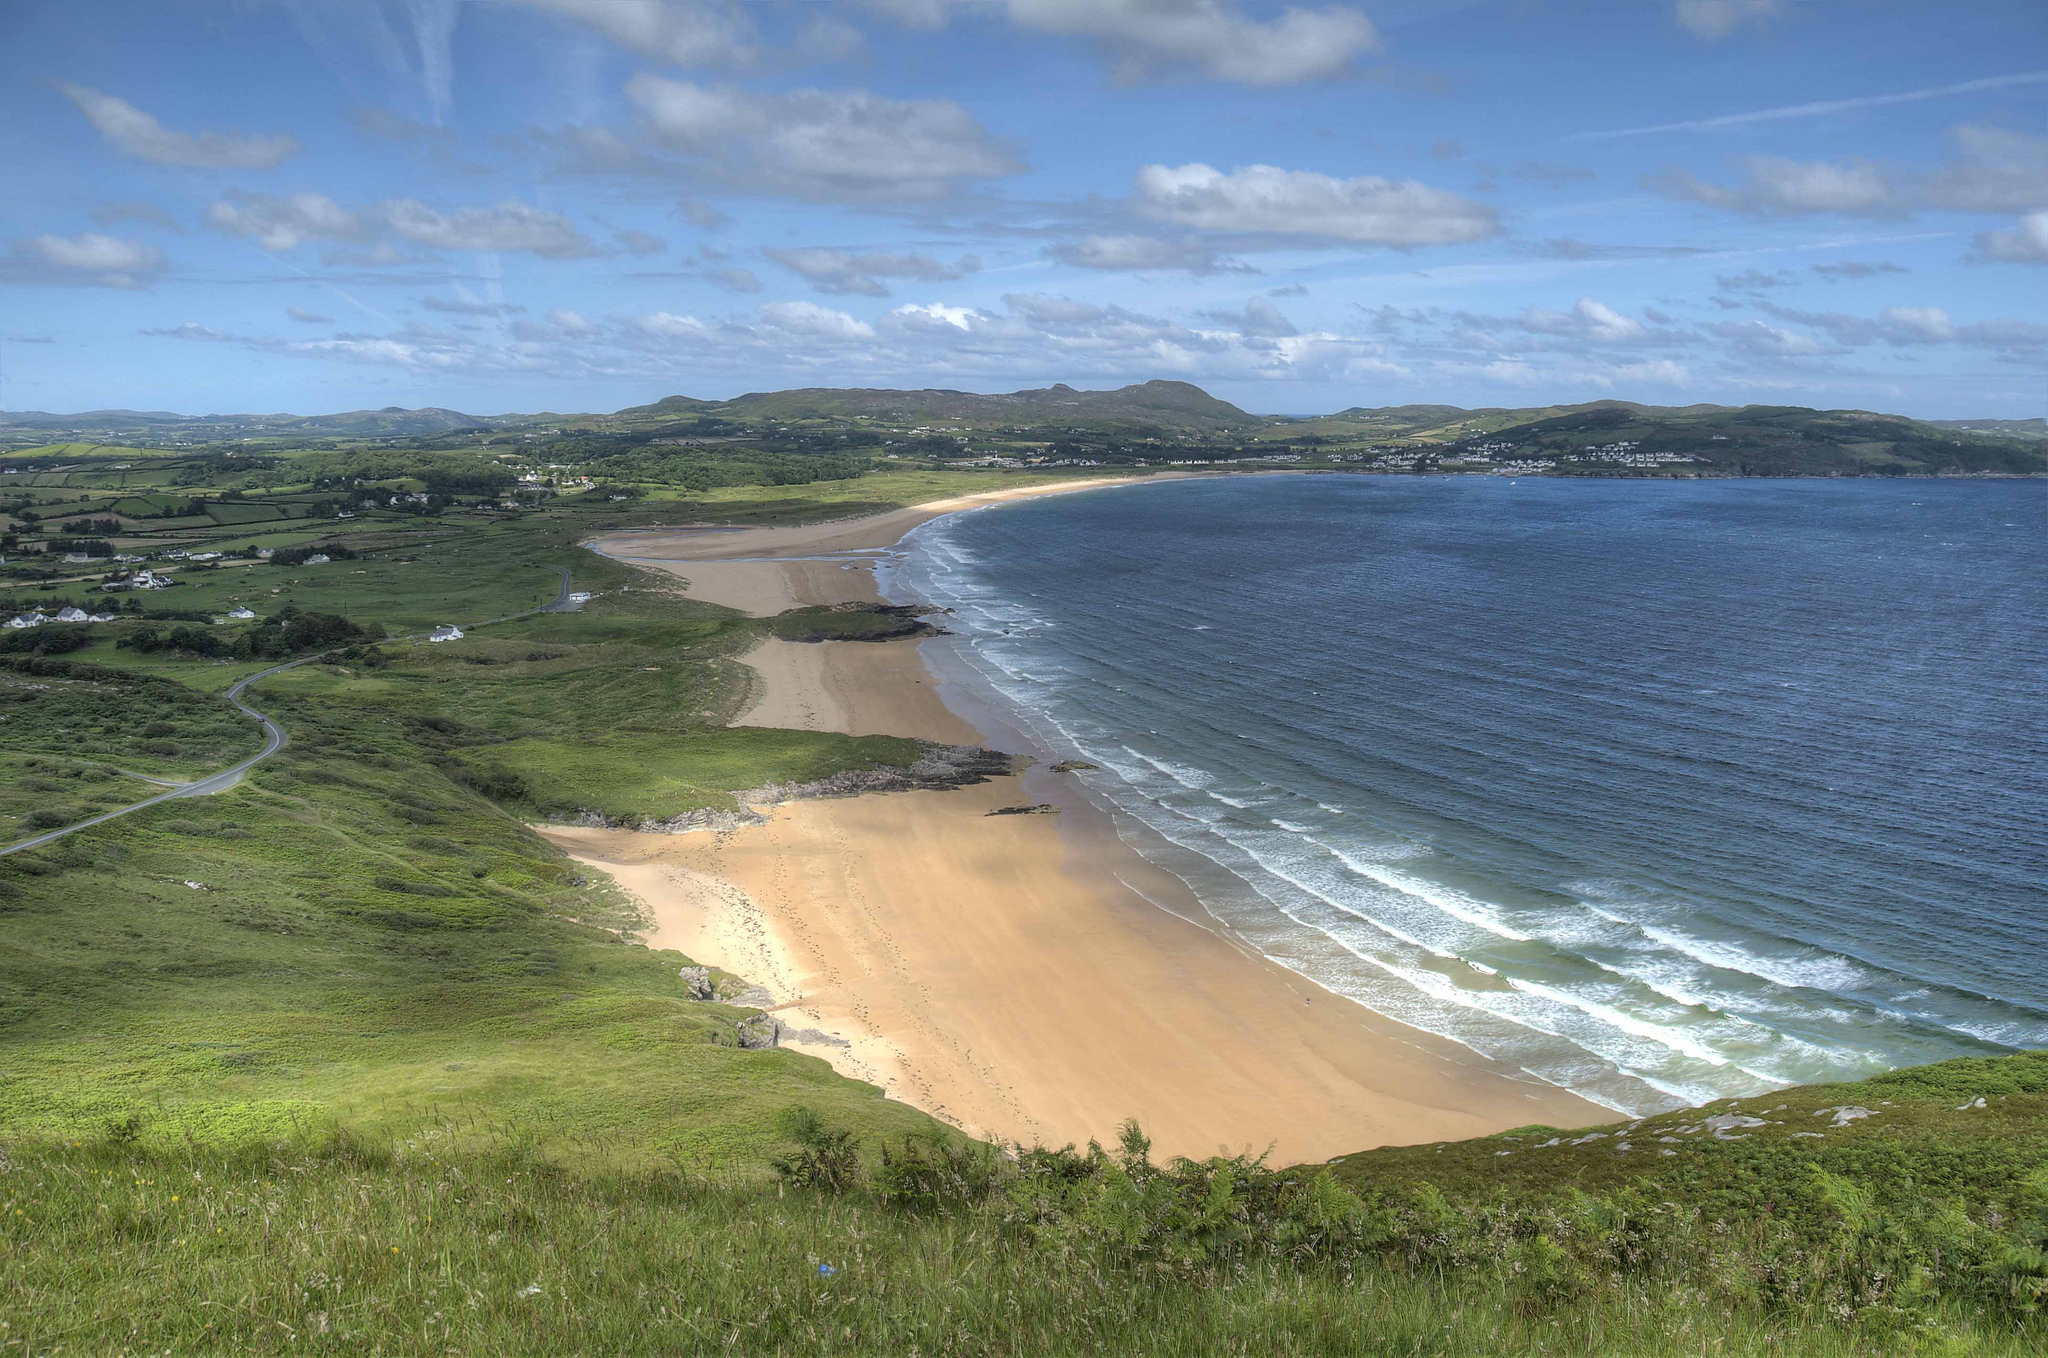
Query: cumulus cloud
pixel 1768 341
pixel 298 313
pixel 1904 326
pixel 1716 19
pixel 2026 243
pixel 1775 187
pixel 1150 37
pixel 682 32
pixel 1266 200
pixel 1594 322
pixel 510 226
pixel 2000 171
pixel 127 128
pixel 847 271
pixel 822 144
pixel 1143 253
pixel 283 223
pixel 89 259
pixel 808 320
pixel 1259 319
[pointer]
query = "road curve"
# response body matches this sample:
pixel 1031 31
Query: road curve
pixel 273 741
pixel 273 737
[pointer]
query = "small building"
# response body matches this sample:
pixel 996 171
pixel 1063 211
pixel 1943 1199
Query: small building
pixel 265 553
pixel 205 556
pixel 101 617
pixel 72 613
pixel 581 596
pixel 317 559
pixel 21 620
pixel 241 611
pixel 447 631
pixel 77 558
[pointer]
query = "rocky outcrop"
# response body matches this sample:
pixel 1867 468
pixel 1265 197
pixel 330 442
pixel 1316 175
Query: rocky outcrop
pixel 1035 809
pixel 758 1032
pixel 941 768
pixel 697 982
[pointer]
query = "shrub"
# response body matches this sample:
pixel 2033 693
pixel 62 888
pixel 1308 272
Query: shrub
pixel 826 1158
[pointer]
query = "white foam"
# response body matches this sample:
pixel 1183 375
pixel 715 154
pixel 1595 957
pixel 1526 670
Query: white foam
pixel 1454 903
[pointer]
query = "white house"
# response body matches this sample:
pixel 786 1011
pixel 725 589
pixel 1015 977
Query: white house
pixel 318 559
pixel 101 617
pixel 205 556
pixel 71 613
pixel 149 580
pixel 447 631
pixel 581 596
pixel 265 553
pixel 20 620
pixel 241 611
pixel 75 558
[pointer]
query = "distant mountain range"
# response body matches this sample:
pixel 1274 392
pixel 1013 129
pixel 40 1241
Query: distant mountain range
pixel 1790 440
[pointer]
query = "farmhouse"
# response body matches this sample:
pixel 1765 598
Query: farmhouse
pixel 72 613
pixel 20 620
pixel 447 631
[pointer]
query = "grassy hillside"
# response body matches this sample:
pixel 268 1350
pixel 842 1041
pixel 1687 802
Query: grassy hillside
pixel 1917 1231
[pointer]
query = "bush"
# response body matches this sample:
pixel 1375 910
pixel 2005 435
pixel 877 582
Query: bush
pixel 825 1157
pixel 44 820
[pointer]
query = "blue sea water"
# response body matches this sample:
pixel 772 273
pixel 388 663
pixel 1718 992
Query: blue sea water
pixel 1661 791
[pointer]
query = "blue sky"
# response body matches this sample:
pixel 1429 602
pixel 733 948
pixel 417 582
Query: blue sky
pixel 517 205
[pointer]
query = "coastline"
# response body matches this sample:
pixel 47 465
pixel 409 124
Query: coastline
pixel 1032 978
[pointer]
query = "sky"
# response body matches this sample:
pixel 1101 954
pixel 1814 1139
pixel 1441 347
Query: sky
pixel 575 205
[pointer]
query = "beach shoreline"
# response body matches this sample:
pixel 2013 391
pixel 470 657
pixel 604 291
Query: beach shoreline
pixel 1031 978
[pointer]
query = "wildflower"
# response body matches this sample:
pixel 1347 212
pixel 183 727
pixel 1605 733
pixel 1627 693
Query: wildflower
pixel 531 1290
pixel 826 1270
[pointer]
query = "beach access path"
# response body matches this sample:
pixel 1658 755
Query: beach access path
pixel 1031 978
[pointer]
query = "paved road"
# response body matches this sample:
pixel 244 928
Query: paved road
pixel 273 736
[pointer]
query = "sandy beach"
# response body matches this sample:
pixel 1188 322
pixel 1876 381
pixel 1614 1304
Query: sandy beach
pixel 1032 978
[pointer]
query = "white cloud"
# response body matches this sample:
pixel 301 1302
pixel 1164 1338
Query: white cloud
pixel 309 317
pixel 2001 171
pixel 1903 326
pixel 571 322
pixel 825 40
pixel 1592 321
pixel 129 129
pixel 808 320
pixel 1142 253
pixel 2026 243
pixel 1774 186
pixel 1147 36
pixel 1262 199
pixel 824 144
pixel 1918 322
pixel 510 226
pixel 282 223
pixel 1259 319
pixel 684 34
pixel 846 271
pixel 1767 341
pixel 89 259
pixel 1714 19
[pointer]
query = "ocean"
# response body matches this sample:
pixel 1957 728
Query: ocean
pixel 1660 791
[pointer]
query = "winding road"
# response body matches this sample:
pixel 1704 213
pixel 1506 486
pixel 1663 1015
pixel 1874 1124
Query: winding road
pixel 273 735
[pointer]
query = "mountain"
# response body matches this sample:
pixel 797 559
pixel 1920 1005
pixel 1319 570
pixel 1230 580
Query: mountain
pixel 1164 405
